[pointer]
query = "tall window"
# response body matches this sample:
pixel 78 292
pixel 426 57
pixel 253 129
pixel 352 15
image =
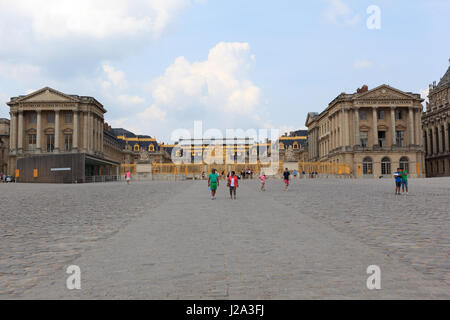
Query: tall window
pixel 381 115
pixel 51 117
pixel 382 139
pixel 364 135
pixel 431 142
pixel 404 164
pixel 386 166
pixel 68 117
pixel 50 142
pixel 443 139
pixel 31 142
pixel 400 138
pixel 363 115
pixel 437 140
pixel 367 166
pixel 425 139
pixel 398 114
pixel 68 142
pixel 32 117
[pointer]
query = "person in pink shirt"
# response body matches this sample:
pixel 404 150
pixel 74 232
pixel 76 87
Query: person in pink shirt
pixel 128 177
pixel 262 178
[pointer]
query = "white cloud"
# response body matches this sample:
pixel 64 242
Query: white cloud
pixel 127 100
pixel 115 77
pixel 18 71
pixel 362 64
pixel 99 19
pixel 153 113
pixel 424 93
pixel 338 12
pixel 219 84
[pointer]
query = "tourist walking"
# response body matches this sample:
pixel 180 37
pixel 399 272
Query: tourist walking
pixel 404 175
pixel 263 178
pixel 128 177
pixel 398 181
pixel 286 175
pixel 233 184
pixel 213 183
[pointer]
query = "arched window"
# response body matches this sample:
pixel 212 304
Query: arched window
pixel 281 146
pixel 404 164
pixel 136 148
pixel 296 145
pixel 367 166
pixel 386 166
pixel 151 148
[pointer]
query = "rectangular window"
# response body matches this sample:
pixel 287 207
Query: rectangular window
pixel 431 142
pixel 443 138
pixel 437 140
pixel 68 142
pixel 382 139
pixel 31 142
pixel 32 117
pixel 400 138
pixel 398 115
pixel 364 135
pixel 50 142
pixel 68 117
pixel 363 115
pixel 380 115
pixel 51 117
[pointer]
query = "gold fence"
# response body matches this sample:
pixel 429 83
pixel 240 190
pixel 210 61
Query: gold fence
pixel 323 168
pixel 200 168
pixel 128 167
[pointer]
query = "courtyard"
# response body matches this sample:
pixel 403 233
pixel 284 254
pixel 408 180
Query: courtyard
pixel 169 240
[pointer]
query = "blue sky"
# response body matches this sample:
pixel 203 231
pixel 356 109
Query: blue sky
pixel 158 65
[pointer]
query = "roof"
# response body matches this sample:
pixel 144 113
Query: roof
pixel 445 79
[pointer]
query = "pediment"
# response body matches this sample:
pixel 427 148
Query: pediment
pixel 385 92
pixel 47 95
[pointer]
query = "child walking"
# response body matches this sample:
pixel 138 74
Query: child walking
pixel 398 181
pixel 262 178
pixel 233 184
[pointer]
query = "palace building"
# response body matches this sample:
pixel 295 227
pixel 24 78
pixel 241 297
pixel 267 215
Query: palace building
pixel 55 137
pixel 436 129
pixel 373 131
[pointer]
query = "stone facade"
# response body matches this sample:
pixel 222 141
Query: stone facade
pixel 50 123
pixel 4 145
pixel 373 131
pixel 436 130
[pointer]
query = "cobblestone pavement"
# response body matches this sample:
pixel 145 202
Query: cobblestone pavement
pixel 314 241
pixel 42 227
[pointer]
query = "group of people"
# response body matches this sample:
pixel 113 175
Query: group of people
pixel 401 181
pixel 233 182
pixel 5 179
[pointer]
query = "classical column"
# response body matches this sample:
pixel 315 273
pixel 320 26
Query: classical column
pixel 393 133
pixel 57 128
pixel 341 128
pixel 418 128
pixel 375 126
pixel 357 132
pixel 101 136
pixel 20 133
pixel 346 127
pixel 411 126
pixel 38 131
pixel 90 132
pixel 13 132
pixel 85 132
pixel 447 142
pixel 75 131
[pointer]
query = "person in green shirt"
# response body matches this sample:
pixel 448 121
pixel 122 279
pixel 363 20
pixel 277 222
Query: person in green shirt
pixel 404 180
pixel 213 183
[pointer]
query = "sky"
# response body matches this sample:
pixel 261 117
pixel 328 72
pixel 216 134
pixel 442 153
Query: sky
pixel 159 65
